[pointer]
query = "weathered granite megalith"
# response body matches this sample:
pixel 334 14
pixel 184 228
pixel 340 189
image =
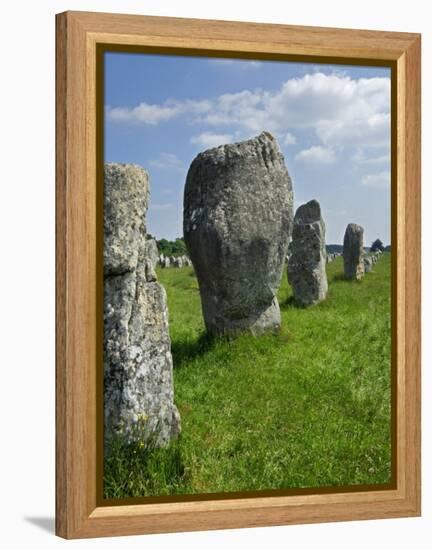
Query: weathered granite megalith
pixel 138 381
pixel 353 252
pixel 307 264
pixel 237 220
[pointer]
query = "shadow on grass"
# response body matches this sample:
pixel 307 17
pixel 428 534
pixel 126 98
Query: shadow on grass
pixel 184 351
pixel 289 303
pixel 141 468
pixel 338 277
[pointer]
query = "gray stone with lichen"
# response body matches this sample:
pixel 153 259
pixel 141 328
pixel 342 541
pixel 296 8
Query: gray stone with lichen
pixel 138 381
pixel 237 220
pixel 307 264
pixel 152 257
pixel 353 252
pixel 368 264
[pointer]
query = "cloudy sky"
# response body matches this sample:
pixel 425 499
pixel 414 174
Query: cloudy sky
pixel 332 124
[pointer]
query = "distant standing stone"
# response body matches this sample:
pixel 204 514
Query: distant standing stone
pixel 138 382
pixel 152 258
pixel 237 220
pixel 307 264
pixel 368 263
pixel 353 252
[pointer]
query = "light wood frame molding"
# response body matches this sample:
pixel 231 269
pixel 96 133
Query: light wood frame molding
pixel 79 512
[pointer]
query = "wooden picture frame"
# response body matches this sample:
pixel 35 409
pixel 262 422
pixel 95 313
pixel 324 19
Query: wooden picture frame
pixel 80 37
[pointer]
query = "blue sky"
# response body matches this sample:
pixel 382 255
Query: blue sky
pixel 332 123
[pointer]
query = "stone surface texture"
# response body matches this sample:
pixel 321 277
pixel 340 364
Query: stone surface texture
pixel 307 264
pixel 353 252
pixel 368 264
pixel 238 214
pixel 152 258
pixel 138 382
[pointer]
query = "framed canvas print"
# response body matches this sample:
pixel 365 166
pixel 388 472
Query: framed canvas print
pixel 238 274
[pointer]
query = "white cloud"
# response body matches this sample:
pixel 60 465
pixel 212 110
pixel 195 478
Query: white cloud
pixel 252 64
pixel 167 161
pixel 371 130
pixel 209 139
pixel 244 64
pixel 361 158
pixel 153 114
pixel 316 155
pixel 144 112
pixel 342 111
pixel 380 180
pixel 289 139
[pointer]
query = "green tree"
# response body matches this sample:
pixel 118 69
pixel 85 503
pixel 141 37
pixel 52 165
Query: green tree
pixel 377 245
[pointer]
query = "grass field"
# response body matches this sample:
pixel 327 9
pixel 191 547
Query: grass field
pixel 309 407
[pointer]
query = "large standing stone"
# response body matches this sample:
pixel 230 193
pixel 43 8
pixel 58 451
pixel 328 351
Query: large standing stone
pixel 353 252
pixel 138 397
pixel 238 213
pixel 307 264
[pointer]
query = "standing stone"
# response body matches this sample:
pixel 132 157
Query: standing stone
pixel 368 263
pixel 307 264
pixel 152 257
pixel 237 220
pixel 166 262
pixel 353 252
pixel 138 395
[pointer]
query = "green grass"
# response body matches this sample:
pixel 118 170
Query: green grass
pixel 309 407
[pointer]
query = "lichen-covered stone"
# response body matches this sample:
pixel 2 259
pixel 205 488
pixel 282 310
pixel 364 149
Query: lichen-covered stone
pixel 238 213
pixel 151 259
pixel 307 264
pixel 138 394
pixel 353 252
pixel 368 264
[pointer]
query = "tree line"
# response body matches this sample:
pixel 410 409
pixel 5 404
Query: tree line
pixel 170 248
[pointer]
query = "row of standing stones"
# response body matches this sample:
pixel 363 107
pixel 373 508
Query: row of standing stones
pixel 238 223
pixel 173 261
